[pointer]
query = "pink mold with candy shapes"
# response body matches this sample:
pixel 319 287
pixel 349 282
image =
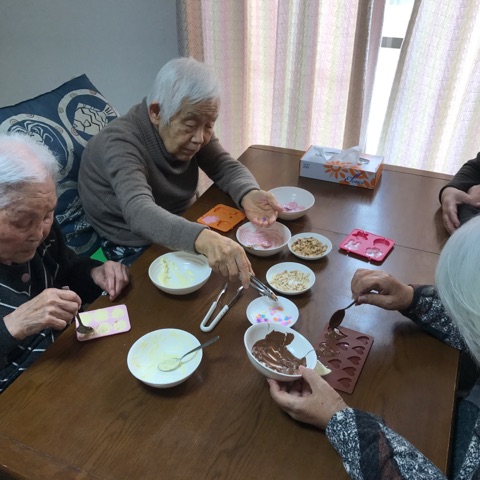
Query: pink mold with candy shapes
pixel 368 245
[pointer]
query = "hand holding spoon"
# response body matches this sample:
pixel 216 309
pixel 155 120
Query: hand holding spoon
pixel 83 329
pixel 172 363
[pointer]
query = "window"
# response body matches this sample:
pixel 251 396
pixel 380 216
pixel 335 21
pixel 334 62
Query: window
pixel 395 23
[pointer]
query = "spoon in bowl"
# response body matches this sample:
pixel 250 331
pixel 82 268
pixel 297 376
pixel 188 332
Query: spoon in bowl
pixel 172 363
pixel 338 317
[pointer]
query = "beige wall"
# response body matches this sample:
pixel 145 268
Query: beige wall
pixel 119 44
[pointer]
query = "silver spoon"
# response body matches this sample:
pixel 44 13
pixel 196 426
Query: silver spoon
pixel 84 329
pixel 172 363
pixel 338 317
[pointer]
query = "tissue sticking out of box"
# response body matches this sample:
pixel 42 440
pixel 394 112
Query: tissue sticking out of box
pixel 351 155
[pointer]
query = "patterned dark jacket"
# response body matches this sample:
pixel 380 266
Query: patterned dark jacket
pixel 371 450
pixel 54 265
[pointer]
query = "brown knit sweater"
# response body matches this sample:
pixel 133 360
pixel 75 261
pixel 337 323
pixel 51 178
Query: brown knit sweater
pixel 132 189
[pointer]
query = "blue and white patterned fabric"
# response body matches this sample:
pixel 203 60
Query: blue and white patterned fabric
pixel 64 120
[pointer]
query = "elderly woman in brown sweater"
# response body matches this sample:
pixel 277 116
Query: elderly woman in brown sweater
pixel 141 171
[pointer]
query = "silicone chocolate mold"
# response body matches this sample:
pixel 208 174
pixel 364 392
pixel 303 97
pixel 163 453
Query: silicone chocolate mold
pixel 222 217
pixel 344 351
pixel 105 321
pixel 368 245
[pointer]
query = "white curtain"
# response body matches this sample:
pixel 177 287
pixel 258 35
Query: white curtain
pixel 293 72
pixel 433 116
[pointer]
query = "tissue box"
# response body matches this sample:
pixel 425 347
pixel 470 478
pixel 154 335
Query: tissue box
pixel 327 164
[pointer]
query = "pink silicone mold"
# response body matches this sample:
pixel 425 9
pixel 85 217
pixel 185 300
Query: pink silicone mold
pixel 368 245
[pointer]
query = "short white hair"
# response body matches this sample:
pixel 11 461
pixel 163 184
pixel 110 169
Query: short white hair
pixel 182 80
pixel 22 161
pixel 457 279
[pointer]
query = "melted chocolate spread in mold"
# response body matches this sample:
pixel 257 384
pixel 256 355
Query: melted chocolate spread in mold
pixel 334 334
pixel 326 350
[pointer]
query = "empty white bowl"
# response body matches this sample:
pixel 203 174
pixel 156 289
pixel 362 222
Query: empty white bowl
pixel 265 310
pixel 290 278
pixel 146 353
pixel 263 241
pixel 299 347
pixel 179 273
pixel 297 245
pixel 296 201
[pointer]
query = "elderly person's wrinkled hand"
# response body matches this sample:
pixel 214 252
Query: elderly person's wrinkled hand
pixel 310 399
pixel 451 199
pixel 111 277
pixel 224 256
pixel 376 287
pixel 261 207
pixel 52 308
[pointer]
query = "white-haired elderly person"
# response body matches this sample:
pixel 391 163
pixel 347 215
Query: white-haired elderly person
pixel 450 311
pixel 141 171
pixel 35 263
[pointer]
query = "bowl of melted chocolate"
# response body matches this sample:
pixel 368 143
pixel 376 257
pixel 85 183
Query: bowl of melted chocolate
pixel 277 351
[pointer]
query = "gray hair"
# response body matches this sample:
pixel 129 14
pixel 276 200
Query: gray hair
pixel 457 280
pixel 23 160
pixel 182 80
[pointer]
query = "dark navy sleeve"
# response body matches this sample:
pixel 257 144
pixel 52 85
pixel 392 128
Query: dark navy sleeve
pixel 466 177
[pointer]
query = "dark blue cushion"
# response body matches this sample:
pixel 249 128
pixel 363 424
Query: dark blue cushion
pixel 64 120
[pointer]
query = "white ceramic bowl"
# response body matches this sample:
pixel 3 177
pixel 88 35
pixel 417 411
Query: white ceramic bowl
pixel 146 353
pixel 296 201
pixel 300 347
pixel 179 273
pixel 264 310
pixel 316 236
pixel 283 279
pixel 263 241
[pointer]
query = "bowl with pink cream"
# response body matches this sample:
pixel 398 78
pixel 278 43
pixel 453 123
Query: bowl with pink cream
pixel 296 201
pixel 263 241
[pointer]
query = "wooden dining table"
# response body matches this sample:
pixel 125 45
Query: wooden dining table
pixel 78 412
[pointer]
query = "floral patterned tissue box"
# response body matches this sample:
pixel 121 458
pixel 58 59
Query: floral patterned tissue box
pixel 347 167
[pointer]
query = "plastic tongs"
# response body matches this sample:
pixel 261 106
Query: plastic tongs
pixel 208 328
pixel 262 288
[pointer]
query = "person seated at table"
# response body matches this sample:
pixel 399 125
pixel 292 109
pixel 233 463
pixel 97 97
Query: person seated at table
pixel 141 171
pixel 35 263
pixel 450 310
pixel 460 198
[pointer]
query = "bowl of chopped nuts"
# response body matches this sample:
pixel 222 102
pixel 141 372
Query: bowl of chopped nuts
pixel 290 278
pixel 309 246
